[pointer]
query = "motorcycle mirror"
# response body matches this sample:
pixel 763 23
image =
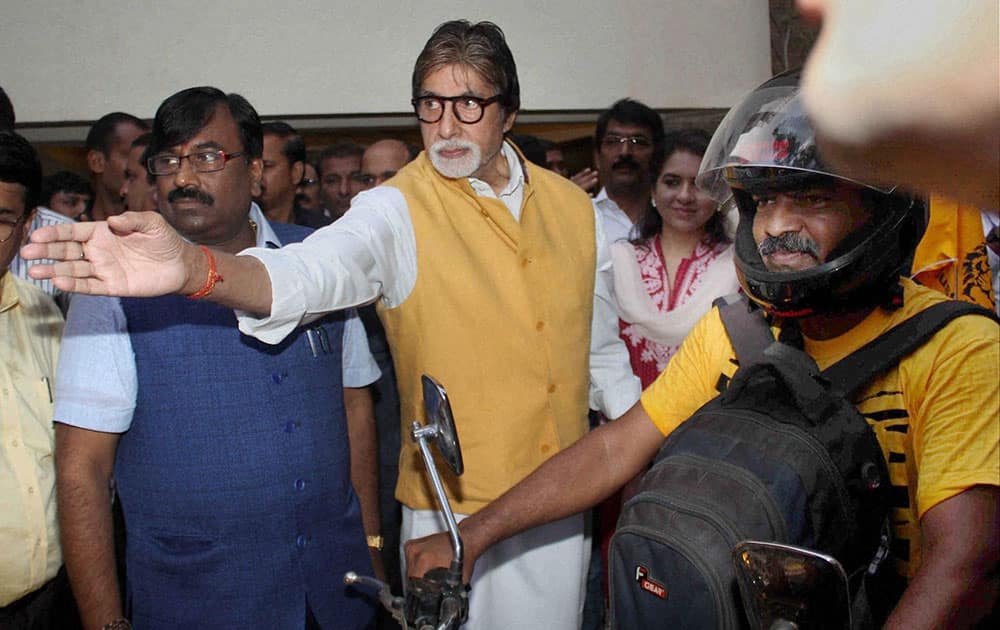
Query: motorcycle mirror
pixel 784 586
pixel 439 418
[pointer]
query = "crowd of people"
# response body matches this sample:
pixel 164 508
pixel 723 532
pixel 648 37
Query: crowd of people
pixel 217 431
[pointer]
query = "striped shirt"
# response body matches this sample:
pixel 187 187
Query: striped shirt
pixel 19 267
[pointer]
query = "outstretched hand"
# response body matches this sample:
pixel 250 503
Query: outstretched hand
pixel 424 554
pixel 135 254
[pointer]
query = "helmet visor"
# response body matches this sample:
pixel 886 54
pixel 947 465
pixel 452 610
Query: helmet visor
pixel 768 129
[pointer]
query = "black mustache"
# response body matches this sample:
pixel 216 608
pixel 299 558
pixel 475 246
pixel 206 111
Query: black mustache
pixel 790 242
pixel 190 193
pixel 625 160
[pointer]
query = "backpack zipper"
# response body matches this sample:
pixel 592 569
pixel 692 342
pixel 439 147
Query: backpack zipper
pixel 745 478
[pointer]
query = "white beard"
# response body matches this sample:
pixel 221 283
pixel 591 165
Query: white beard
pixel 456 168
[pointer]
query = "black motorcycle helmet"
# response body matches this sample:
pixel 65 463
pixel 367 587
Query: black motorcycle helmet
pixel 766 143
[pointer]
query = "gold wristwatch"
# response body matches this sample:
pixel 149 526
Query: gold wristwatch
pixel 375 542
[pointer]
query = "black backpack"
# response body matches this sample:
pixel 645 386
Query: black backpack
pixel 781 455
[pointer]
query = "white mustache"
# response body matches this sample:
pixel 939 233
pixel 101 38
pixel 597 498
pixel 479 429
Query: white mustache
pixel 448 145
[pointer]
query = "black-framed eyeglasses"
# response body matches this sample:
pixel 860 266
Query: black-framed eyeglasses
pixel 7 227
pixel 612 141
pixel 206 161
pixel 467 109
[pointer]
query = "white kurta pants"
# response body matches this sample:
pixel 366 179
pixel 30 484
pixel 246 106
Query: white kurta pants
pixel 534 580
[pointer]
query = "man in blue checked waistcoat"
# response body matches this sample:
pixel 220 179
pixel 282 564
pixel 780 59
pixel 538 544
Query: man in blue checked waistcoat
pixel 236 462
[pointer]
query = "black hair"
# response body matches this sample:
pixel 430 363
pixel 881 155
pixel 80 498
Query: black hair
pixel 630 112
pixel 294 149
pixel 694 141
pixel 19 165
pixel 482 47
pixel 7 117
pixel 531 147
pixel 184 114
pixel 338 150
pixel 63 181
pixel 102 133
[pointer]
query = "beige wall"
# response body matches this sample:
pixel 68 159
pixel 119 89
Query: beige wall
pixel 66 60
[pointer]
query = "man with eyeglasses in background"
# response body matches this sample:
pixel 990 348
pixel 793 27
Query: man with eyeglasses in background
pixel 625 139
pixel 307 206
pixel 34 591
pixel 246 472
pixel 489 273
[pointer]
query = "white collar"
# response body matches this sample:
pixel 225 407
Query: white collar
pixel 515 182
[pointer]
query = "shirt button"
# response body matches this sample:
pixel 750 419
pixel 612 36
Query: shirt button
pixel 15 443
pixel 540 326
pixel 31 489
pixel 300 541
pixel 300 484
pixel 276 378
pixel 525 262
pixel 289 426
pixel 546 448
pixel 552 389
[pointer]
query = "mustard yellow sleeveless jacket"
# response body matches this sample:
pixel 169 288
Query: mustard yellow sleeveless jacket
pixel 500 315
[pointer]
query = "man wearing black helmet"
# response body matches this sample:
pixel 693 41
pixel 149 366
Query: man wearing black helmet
pixel 822 255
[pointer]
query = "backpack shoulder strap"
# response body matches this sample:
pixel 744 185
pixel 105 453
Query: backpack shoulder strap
pixel 746 327
pixel 861 366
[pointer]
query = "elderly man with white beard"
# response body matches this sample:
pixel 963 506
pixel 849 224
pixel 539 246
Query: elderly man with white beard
pixel 489 273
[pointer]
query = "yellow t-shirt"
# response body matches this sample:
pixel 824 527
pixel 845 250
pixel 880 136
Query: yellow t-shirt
pixel 936 414
pixel 30 325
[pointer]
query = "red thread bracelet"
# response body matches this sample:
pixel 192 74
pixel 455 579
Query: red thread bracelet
pixel 213 277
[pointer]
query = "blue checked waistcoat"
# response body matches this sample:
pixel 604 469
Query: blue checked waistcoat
pixel 235 474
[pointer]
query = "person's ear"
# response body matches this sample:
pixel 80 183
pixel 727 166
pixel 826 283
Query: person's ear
pixel 256 171
pixel 508 122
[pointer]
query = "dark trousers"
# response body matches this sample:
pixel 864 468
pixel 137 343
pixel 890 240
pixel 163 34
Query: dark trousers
pixel 51 607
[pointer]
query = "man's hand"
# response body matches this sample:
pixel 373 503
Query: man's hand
pixel 136 254
pixel 587 179
pixel 424 554
pixel 914 105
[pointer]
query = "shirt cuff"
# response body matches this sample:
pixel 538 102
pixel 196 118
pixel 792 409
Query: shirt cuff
pixel 287 300
pixel 614 401
pixel 84 417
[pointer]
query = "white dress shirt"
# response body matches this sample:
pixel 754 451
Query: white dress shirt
pixel 617 224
